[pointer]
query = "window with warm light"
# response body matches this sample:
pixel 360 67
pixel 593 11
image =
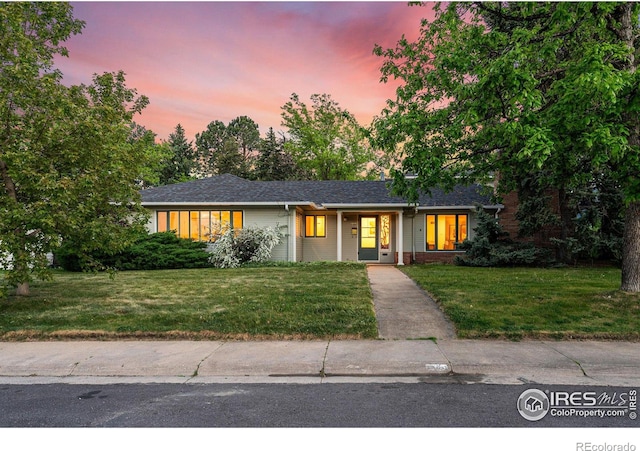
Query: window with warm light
pixel 445 232
pixel 315 226
pixel 385 231
pixel 199 225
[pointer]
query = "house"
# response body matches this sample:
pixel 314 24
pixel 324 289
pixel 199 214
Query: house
pixel 534 404
pixel 323 220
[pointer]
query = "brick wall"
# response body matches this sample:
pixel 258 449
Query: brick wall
pixel 507 218
pixel 429 257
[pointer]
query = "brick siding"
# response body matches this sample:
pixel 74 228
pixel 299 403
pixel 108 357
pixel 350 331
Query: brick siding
pixel 428 257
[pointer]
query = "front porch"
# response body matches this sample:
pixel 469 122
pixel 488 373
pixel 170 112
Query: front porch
pixel 374 236
pixel 384 236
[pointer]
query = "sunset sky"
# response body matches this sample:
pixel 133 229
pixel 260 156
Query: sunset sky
pixel 204 61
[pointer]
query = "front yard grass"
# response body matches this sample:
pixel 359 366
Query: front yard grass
pixel 520 303
pixel 280 302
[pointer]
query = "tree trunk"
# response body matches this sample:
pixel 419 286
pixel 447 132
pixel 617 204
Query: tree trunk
pixel 23 289
pixel 566 227
pixel 624 26
pixel 631 249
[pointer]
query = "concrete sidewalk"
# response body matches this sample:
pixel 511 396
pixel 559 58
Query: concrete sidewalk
pixel 407 318
pixel 457 361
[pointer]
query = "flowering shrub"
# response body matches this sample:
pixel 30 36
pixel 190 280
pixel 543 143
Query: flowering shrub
pixel 249 245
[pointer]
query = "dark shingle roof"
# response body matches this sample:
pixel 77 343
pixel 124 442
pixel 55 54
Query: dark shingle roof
pixel 231 189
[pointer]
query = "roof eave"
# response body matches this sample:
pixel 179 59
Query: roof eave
pixel 459 207
pixel 227 204
pixel 403 205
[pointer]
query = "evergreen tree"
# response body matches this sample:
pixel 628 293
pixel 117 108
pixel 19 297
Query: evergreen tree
pixel 274 163
pixel 182 161
pixel 209 145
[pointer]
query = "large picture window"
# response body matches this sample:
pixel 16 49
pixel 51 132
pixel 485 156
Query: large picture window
pixel 199 225
pixel 315 226
pixel 445 232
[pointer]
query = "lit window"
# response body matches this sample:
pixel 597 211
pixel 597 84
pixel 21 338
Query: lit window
pixel 199 225
pixel 445 232
pixel 184 225
pixel 315 226
pixel 162 221
pixel 385 231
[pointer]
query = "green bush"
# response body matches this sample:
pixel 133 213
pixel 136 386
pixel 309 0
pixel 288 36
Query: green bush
pixel 491 246
pixel 162 250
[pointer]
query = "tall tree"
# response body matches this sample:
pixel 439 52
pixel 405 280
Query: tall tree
pixel 209 144
pixel 246 133
pixel 516 89
pixel 181 164
pixel 274 163
pixel 157 155
pixel 228 148
pixel 67 170
pixel 325 139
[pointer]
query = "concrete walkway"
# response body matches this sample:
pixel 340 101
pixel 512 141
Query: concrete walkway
pixel 404 310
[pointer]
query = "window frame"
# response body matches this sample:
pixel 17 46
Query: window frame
pixel 314 224
pixel 165 219
pixel 435 231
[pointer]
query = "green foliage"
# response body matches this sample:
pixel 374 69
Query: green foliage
pixel 598 222
pixel 180 162
pixel 326 140
pixel 274 162
pixel 227 149
pixel 491 246
pixel 162 250
pixel 67 166
pixel 157 156
pixel 520 90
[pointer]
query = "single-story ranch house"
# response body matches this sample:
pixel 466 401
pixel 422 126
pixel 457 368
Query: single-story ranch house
pixel 323 220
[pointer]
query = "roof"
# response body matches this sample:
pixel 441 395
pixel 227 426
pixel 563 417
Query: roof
pixel 228 189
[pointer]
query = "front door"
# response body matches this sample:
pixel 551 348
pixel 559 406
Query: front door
pixel 368 242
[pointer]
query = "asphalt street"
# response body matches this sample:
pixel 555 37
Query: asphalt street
pixel 338 405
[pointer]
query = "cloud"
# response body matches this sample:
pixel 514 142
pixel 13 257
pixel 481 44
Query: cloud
pixel 205 61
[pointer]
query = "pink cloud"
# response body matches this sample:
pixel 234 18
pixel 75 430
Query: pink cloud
pixel 205 61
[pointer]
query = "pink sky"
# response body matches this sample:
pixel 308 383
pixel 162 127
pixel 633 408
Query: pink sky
pixel 204 61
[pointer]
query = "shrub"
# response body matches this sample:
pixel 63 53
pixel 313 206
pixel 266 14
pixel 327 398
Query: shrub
pixel 162 250
pixel 491 246
pixel 249 245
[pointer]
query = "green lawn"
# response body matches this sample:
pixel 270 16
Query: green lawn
pixel 538 303
pixel 280 302
pixel 325 300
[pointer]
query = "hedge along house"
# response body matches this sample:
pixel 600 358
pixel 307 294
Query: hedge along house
pixel 323 220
